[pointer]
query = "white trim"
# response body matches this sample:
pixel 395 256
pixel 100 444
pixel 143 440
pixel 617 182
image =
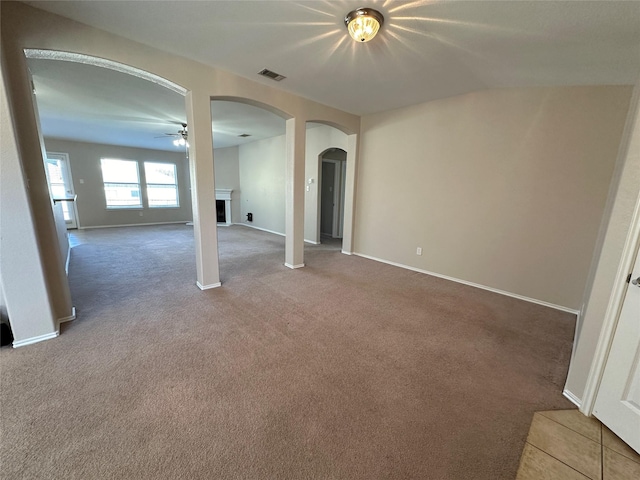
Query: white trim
pixel 69 318
pixel 32 340
pixel 133 225
pixel 260 228
pixel 270 231
pixel 572 398
pixel 66 264
pixel 347 253
pixel 104 63
pixel 208 287
pixel 338 194
pixel 612 314
pixel 293 267
pixel 65 319
pixel 223 193
pixel 471 284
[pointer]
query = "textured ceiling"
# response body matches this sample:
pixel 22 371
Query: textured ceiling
pixel 426 49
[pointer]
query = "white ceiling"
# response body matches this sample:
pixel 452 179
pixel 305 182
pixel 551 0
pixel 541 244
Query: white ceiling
pixel 426 49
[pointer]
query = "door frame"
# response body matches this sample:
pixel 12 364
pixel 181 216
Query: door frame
pixel 339 178
pixel 612 315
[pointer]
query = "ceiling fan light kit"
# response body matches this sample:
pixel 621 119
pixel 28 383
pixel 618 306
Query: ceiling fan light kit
pixel 182 135
pixel 363 24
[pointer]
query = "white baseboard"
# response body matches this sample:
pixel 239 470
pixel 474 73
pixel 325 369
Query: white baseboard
pixel 208 287
pixel 32 340
pixel 184 222
pixel 288 265
pixel 69 318
pixel 260 228
pixel 572 398
pixel 66 264
pixel 272 231
pixel 471 284
pixel 347 253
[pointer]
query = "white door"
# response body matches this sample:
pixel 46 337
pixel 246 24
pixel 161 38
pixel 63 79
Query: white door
pixel 618 399
pixel 61 185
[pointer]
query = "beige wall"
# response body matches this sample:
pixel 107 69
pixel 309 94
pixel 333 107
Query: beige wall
pixel 84 159
pixel 227 171
pixel 502 188
pixel 262 179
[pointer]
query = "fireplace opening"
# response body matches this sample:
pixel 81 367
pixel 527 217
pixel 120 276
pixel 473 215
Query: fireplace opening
pixel 221 211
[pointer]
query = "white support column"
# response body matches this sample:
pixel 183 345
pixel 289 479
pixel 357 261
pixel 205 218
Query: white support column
pixel 350 194
pixel 294 204
pixel 22 270
pixel 203 190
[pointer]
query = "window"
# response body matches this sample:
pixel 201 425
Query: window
pixel 162 184
pixel 121 183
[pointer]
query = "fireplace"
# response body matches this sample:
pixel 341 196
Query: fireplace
pixel 220 211
pixel 223 205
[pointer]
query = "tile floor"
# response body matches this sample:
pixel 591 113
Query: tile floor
pixel 566 445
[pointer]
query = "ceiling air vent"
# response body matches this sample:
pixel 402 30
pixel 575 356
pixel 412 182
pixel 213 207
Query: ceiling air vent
pixel 244 135
pixel 272 75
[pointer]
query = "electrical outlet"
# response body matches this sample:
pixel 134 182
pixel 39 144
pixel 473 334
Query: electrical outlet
pixel 419 251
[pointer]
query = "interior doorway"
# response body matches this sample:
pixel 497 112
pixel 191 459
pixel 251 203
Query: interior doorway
pixel 332 194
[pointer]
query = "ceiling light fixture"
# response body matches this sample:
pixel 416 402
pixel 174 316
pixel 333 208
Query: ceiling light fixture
pixel 363 24
pixel 183 136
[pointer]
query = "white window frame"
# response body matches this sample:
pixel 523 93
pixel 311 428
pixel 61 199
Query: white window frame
pixel 138 184
pixel 151 184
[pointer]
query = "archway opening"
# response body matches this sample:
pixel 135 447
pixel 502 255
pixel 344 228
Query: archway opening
pixel 331 153
pixel 249 145
pixel 107 133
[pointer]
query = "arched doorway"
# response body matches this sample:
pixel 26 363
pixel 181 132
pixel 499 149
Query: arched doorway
pixel 337 147
pixel 249 150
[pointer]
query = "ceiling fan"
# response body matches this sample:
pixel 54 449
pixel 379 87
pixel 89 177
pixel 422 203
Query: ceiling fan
pixel 182 136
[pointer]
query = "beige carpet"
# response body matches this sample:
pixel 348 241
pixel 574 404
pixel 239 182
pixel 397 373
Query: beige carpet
pixel 345 369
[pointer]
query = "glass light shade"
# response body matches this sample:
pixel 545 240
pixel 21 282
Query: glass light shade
pixel 363 24
pixel 180 142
